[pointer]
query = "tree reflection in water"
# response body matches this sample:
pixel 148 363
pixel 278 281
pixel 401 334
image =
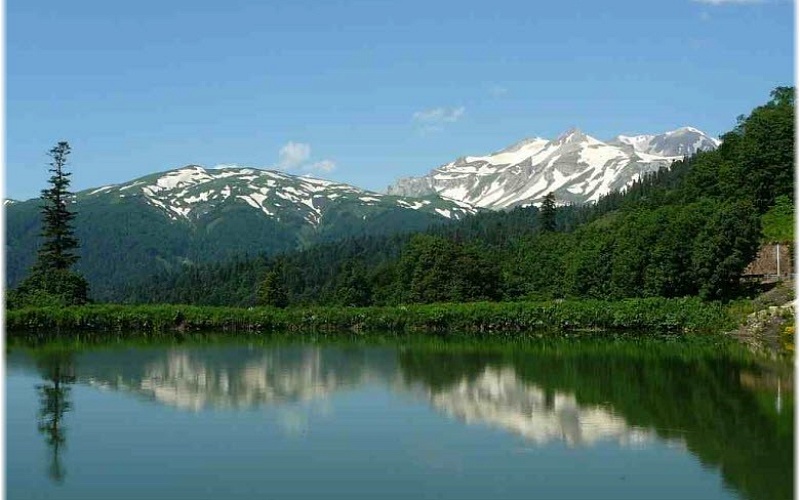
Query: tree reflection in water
pixel 58 371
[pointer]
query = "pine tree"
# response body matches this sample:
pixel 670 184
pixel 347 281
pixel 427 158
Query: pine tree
pixel 57 251
pixel 272 291
pixel 51 281
pixel 548 212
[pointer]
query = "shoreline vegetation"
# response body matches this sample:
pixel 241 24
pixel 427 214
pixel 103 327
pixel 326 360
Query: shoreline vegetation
pixel 633 316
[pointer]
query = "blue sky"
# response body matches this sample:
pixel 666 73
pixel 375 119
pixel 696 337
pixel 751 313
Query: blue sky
pixel 364 91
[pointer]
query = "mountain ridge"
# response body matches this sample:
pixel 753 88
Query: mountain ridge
pixel 575 166
pixel 192 214
pixel 184 193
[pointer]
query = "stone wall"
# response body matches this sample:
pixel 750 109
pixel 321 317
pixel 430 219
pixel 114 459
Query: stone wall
pixel 766 262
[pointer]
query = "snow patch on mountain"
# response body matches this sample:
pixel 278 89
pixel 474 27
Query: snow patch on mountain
pixel 101 189
pixel 415 205
pixel 131 185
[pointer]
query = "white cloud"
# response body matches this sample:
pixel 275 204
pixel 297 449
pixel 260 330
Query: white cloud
pixel 323 167
pixel 434 119
pixel 728 2
pixel 439 115
pixel 293 154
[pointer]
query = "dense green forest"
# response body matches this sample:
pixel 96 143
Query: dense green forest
pixel 125 237
pixel 685 231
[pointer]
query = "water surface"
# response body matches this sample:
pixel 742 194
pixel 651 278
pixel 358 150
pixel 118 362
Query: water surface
pixel 406 420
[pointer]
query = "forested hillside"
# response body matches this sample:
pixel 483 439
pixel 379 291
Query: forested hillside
pixel 685 231
pixel 192 215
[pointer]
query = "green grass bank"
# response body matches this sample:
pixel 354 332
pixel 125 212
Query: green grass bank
pixel 657 315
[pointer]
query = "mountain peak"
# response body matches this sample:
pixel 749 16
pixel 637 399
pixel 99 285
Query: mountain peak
pixel 687 129
pixel 517 146
pixel 573 134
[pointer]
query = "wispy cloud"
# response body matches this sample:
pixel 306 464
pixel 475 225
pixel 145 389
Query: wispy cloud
pixel 434 119
pixel 728 2
pixel 439 115
pixel 295 156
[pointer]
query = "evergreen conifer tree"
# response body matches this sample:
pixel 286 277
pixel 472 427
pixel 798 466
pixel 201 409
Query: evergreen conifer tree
pixel 51 281
pixel 271 290
pixel 57 251
pixel 548 213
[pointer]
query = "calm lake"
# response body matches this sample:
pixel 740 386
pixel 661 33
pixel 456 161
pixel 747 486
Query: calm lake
pixel 406 419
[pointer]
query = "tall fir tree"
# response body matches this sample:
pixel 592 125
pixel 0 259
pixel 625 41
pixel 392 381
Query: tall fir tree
pixel 58 250
pixel 548 212
pixel 51 281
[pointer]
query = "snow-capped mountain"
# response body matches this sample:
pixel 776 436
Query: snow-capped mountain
pixel 576 167
pixel 192 192
pixel 685 141
pixel 194 214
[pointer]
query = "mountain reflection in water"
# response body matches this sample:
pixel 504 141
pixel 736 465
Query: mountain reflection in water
pixel 187 382
pixel 191 379
pixel 721 411
pixel 497 397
